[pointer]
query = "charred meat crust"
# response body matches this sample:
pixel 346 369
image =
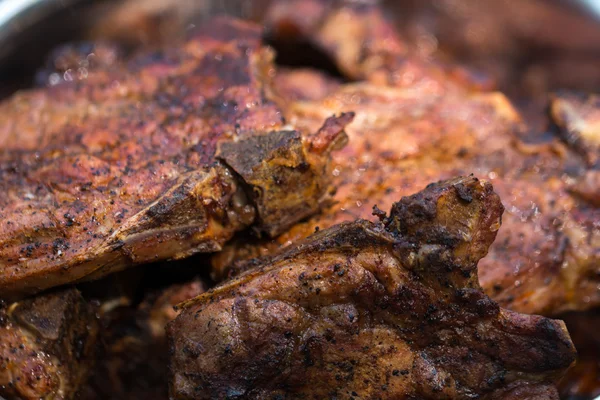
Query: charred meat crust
pixel 416 123
pixel 279 168
pixel 47 346
pixel 371 310
pixel 547 255
pixel 122 168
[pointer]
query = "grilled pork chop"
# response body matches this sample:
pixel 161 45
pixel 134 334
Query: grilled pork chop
pixel 46 346
pixel 372 310
pixel 547 255
pixel 157 157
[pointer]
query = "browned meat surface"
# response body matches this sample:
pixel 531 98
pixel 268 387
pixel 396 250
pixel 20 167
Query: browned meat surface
pixel 133 361
pixel 372 310
pixel 523 45
pixel 361 39
pixel 578 118
pixel 161 156
pixel 46 346
pixel 304 83
pixel 547 255
pixel 352 33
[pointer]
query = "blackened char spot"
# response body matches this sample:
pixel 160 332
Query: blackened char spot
pixel 245 154
pixel 229 69
pixel 464 193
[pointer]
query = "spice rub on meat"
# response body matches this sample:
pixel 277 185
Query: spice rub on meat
pixel 546 257
pixel 47 346
pixel 419 124
pixel 159 156
pixel 391 309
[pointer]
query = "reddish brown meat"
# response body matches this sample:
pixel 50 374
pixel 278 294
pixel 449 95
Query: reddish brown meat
pixel 372 310
pixel 578 118
pixel 360 37
pixel 162 156
pixel 47 346
pixel 547 256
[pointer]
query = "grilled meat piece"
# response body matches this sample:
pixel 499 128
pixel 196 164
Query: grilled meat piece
pixel 362 41
pixel 372 310
pixel 354 34
pixel 304 83
pixel 47 346
pixel 133 362
pixel 158 157
pixel 578 117
pixel 547 254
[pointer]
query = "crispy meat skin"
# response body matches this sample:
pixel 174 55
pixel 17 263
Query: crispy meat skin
pixel 415 126
pixel 372 310
pixel 46 346
pixel 158 157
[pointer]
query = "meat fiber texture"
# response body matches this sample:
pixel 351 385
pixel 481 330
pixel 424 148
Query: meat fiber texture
pixel 418 122
pixel 159 156
pixel 390 309
pixel 47 346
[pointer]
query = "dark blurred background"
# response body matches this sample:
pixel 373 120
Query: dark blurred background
pixel 529 47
